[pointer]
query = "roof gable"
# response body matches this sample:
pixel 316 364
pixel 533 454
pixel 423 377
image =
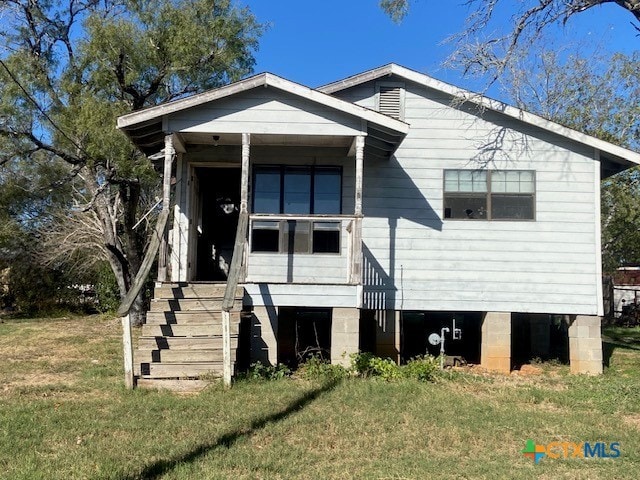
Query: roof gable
pixel 266 111
pixel 619 155
pixel 147 127
pixel 264 80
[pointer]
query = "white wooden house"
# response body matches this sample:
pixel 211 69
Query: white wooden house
pixel 378 209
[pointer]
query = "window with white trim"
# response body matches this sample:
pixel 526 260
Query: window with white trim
pixel 489 194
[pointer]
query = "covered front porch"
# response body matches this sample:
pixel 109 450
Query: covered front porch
pixel 300 208
pixel 264 183
pixel 280 160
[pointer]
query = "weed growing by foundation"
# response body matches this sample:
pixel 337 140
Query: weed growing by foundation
pixel 261 371
pixel 316 368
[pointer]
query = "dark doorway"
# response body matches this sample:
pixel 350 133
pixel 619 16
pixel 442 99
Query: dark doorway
pixel 220 190
pixel 302 333
pixel 367 337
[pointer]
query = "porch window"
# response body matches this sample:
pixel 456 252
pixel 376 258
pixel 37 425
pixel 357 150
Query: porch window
pixel 295 236
pixel 326 237
pixel 266 190
pixel 306 190
pixel 265 236
pixel 296 196
pixel 296 190
pixel 489 194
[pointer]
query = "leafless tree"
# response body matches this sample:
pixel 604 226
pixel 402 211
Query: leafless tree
pixel 485 47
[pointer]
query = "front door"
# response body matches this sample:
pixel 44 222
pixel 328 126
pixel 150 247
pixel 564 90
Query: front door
pixel 220 203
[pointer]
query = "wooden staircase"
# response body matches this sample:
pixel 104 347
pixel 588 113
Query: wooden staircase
pixel 182 337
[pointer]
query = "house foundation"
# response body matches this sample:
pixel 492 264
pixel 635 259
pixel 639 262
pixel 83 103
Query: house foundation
pixel 585 345
pixel 388 334
pixel 495 351
pixel 345 335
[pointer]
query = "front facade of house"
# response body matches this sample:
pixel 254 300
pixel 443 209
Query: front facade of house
pixel 383 208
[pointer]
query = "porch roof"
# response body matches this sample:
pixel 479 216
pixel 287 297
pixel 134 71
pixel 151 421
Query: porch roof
pixel 614 157
pixel 147 128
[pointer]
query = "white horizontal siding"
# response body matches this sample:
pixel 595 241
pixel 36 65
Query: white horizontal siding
pixel 298 268
pixel 417 260
pixel 283 295
pixel 264 111
pixel 363 95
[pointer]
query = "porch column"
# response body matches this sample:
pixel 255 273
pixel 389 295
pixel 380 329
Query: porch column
pixel 244 182
pixel 235 276
pixel 356 261
pixel 585 345
pixel 180 229
pixel 169 152
pixel 244 196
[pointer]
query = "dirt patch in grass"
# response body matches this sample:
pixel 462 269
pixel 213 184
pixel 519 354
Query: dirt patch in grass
pixel 632 420
pixel 39 379
pixel 480 380
pixel 53 357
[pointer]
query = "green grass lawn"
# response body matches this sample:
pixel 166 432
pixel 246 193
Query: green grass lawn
pixel 65 414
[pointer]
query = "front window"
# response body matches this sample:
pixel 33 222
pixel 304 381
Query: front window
pixel 304 190
pixel 489 194
pixel 296 194
pixel 266 190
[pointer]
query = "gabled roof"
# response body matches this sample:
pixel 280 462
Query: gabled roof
pixel 610 151
pixel 144 127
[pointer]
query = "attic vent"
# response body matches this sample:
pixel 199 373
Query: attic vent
pixel 390 100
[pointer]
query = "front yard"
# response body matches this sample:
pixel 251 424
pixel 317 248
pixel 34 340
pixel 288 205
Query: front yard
pixel 65 414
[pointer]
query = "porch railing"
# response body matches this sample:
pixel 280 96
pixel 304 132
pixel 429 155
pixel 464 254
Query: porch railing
pixel 147 262
pixel 237 264
pixel 310 228
pixel 229 299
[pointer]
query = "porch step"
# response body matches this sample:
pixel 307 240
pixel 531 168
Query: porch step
pixel 182 356
pixel 182 370
pixel 189 304
pixel 188 318
pixel 203 330
pixel 147 357
pixel 172 291
pixel 178 386
pixel 182 337
pixel 183 343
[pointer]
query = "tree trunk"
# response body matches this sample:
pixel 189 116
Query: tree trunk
pixel 133 242
pixel 124 252
pixel 138 310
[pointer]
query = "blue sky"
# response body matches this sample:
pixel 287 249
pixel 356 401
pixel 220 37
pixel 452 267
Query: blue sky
pixel 316 42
